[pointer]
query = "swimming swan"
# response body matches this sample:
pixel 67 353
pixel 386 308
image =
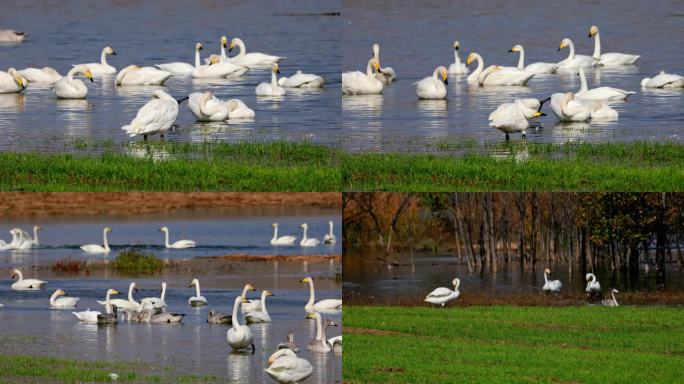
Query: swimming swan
pixel 45 75
pixel 62 302
pixel 301 80
pixel 327 305
pixel 514 117
pixel 252 59
pixel 385 75
pixel 329 237
pixel 272 88
pixel 69 88
pixel 286 368
pixel 250 305
pixel 536 68
pixel 134 75
pixel 215 69
pixel 148 315
pixel 495 75
pixel 96 248
pixel 156 303
pixel 11 81
pixel 25 284
pixel 237 110
pixel 359 83
pixel 432 87
pixel 306 241
pixel 457 68
pixel 102 67
pixel 129 304
pixel 198 300
pixel 592 284
pixel 320 343
pixel 612 59
pixel 573 61
pixel 207 107
pixel 567 108
pixel 157 116
pixel 239 336
pixel 663 80
pixel 180 68
pixel 260 316
pixel 95 317
pixel 180 244
pixel 611 302
pixel 551 285
pixel 12 36
pixel 283 240
pixel 223 58
pixel 289 344
pixel 442 295
pixel 600 93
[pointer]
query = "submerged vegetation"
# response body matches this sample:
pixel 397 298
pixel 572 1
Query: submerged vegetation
pixel 496 344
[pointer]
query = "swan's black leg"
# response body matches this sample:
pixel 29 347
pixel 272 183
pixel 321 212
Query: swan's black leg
pixel 507 137
pixel 253 349
pixel 144 137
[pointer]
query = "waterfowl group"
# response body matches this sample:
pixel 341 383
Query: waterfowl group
pixel 21 240
pixel 306 241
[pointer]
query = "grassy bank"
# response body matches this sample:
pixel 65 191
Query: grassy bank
pixel 521 167
pixel 166 166
pixel 513 345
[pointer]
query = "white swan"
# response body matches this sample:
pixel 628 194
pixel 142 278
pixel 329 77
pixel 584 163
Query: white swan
pixel 495 75
pixel 11 81
pixel 385 75
pixel 45 75
pixel 25 284
pixel 239 336
pixel 442 295
pixel 207 107
pixel 237 110
pixel 93 317
pixel 289 344
pixel 567 108
pixel 102 67
pixel 215 69
pixel 283 240
pixel 551 285
pixel 262 315
pixel 537 68
pixel 601 111
pixel 157 116
pixel 611 302
pixel 34 241
pixel 198 300
pixel 359 83
pixel 180 244
pixel 320 343
pixel 325 305
pixel 592 284
pixel 252 59
pixel 97 248
pixel 612 59
pixel 329 237
pixel 306 241
pixel 663 80
pixel 600 93
pixel 457 68
pixel 336 343
pixel 514 117
pixel 135 75
pixel 17 239
pixel 62 302
pixel 12 36
pixel 69 88
pixel 181 68
pixel 432 87
pixel 128 304
pixel 223 58
pixel 156 303
pixel 272 88
pixel 286 368
pixel 250 305
pixel 301 80
pixel 573 61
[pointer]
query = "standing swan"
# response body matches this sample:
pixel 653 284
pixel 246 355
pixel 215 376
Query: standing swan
pixel 45 75
pixel 252 59
pixel 611 302
pixel 283 240
pixel 612 59
pixel 432 87
pixel 320 343
pixel 134 75
pixel 103 67
pixel 551 285
pixel 442 295
pixel 386 75
pixel 457 68
pixel 198 300
pixel 286 368
pixel 96 248
pixel 600 93
pixel 261 316
pixel 25 284
pixel 592 284
pixel 11 81
pixel 329 237
pixel 62 302
pixel 157 116
pixel 321 306
pixel 536 68
pixel 574 61
pixel 272 88
pixel 308 242
pixel 69 88
pixel 180 244
pixel 359 83
pixel 514 117
pixel 239 336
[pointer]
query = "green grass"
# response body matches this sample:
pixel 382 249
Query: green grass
pixel 134 262
pixel 514 345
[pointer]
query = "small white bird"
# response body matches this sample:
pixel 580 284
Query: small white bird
pixel 592 284
pixel 180 244
pixel 272 88
pixel 157 116
pixel 62 302
pixel 432 87
pixel 25 284
pixel 441 296
pixel 306 241
pixel 198 300
pixel 536 68
pixel 329 237
pixel 282 240
pixel 551 285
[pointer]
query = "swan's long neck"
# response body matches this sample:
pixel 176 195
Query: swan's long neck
pixel 130 293
pixel 197 58
pixel 304 235
pixel 103 57
pixel 331 228
pixel 166 233
pixel 521 60
pixel 480 65
pixel 235 319
pixel 274 79
pixel 458 283
pixel 197 289
pixel 35 235
pixel 263 302
pixel 614 299
pixel 52 299
pixel 70 75
pixel 546 280
pixel 457 58
pixel 163 293
pixel 312 296
pixel 15 239
pixel 104 240
pixel 597 46
pixel 244 291
pixel 435 74
pixel 21 276
pixel 275 232
pixel 108 304
pixel 243 49
pixel 369 69
pixel 583 82
pixel 593 278
pixel 319 328
pixel 223 53
pixel 571 53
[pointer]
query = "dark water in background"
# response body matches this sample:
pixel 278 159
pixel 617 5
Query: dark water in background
pixel 147 33
pixel 417 36
pixel 367 277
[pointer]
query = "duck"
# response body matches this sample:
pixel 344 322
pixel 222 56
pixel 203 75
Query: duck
pixel 239 336
pixel 612 59
pixel 457 67
pixel 321 306
pixel 301 80
pixel 514 117
pixel 272 88
pixel 553 286
pixel 218 318
pixel 289 344
pixel 180 244
pixel 600 93
pixel 155 117
pixel 45 75
pixel 441 296
pixel 573 61
pixel 62 302
pixel 156 303
pixel 663 80
pixel 286 368
pixel 12 36
pixel 320 343
pixel 25 284
pixel 307 241
pixel 282 240
pixel 329 238
pixel 198 300
pixel 494 74
pixel 69 88
pixel 261 316
pixel 251 59
pixel 385 75
pixel 359 83
pixel 538 68
pixel 433 87
pixel 135 75
pixel 11 81
pixel 102 68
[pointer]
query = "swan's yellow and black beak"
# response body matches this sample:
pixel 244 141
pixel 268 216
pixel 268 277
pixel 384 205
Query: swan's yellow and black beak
pixel 244 300
pixel 115 292
pixel 537 114
pixel 113 52
pixel 469 60
pixel 230 49
pixel 89 75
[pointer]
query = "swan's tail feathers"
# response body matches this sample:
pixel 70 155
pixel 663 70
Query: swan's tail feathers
pixel 129 130
pixel 182 99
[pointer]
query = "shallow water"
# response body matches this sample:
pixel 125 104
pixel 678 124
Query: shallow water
pixel 367 277
pixel 233 231
pixel 417 36
pixel 147 33
pixel 193 347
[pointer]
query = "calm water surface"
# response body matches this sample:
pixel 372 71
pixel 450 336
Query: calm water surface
pixel 417 36
pixel 147 33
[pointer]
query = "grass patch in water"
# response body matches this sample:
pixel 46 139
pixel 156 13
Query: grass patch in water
pixel 132 262
pixel 502 344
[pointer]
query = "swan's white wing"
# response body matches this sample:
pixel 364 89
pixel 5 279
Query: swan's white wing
pixel 154 116
pixel 440 292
